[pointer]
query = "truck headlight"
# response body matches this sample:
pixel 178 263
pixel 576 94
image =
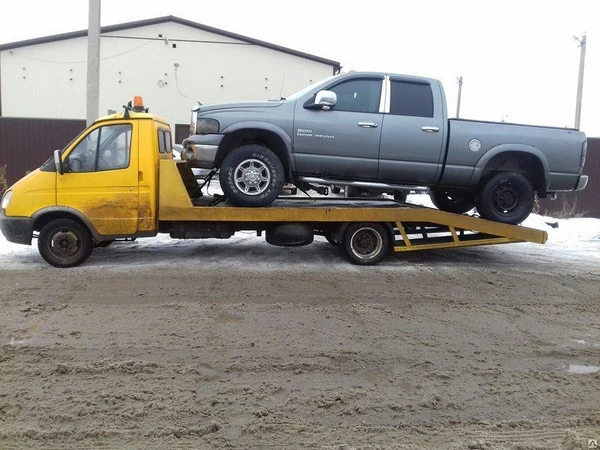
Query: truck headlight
pixel 6 199
pixel 207 126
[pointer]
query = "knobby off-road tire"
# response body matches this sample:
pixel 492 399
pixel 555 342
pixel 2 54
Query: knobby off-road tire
pixel 365 244
pixel 507 197
pixel 252 175
pixel 65 243
pixel 453 201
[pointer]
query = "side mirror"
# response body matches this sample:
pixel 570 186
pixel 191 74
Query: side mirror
pixel 58 162
pixel 324 100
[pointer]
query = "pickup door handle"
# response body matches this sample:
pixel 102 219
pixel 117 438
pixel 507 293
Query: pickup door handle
pixel 430 129
pixel 367 124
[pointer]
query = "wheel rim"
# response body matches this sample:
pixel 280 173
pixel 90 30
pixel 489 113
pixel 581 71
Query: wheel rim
pixel 507 199
pixel 252 177
pixel 366 243
pixel 65 244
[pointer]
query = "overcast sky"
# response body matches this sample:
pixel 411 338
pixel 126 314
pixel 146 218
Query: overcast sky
pixel 518 59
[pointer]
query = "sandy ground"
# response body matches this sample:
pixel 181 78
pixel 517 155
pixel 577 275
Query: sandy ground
pixel 212 344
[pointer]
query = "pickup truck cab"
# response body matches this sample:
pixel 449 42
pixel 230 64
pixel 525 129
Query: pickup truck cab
pixel 383 133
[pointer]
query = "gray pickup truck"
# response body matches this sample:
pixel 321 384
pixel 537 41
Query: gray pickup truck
pixel 383 133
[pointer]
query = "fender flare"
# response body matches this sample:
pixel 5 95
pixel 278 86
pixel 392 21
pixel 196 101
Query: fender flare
pixel 266 126
pixel 513 148
pixel 67 211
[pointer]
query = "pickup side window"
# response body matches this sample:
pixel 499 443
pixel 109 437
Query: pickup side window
pixel 105 148
pixel 362 95
pixel 164 141
pixel 411 99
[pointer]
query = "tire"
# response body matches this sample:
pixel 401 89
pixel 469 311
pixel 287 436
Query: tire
pixel 252 175
pixel 290 235
pixel 65 243
pixel 453 201
pixel 507 197
pixel 365 244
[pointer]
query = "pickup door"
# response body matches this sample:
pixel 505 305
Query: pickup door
pixel 413 133
pixel 343 142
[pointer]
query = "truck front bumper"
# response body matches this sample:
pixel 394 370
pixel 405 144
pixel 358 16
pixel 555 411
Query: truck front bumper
pixel 18 230
pixel 202 149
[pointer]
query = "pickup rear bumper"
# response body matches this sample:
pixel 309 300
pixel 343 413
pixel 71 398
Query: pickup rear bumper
pixel 202 149
pixel 18 230
pixel 582 183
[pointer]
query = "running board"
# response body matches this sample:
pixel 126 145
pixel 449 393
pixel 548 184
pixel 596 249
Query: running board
pixel 364 184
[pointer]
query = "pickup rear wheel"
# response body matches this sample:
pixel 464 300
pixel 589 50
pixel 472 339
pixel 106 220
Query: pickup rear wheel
pixel 65 243
pixel 251 175
pixel 507 197
pixel 365 244
pixel 453 201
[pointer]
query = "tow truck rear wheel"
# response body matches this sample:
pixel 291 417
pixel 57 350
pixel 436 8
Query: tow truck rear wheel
pixel 65 243
pixel 365 244
pixel 252 175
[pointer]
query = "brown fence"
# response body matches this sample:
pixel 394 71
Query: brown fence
pixel 26 143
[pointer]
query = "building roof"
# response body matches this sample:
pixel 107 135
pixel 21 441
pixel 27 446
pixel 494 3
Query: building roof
pixel 158 20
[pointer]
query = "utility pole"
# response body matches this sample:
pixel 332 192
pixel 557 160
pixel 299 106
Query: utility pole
pixel 460 83
pixel 582 45
pixel 93 63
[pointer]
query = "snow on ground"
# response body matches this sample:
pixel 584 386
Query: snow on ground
pixel 571 235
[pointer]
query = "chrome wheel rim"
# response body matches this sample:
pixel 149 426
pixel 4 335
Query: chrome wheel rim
pixel 252 177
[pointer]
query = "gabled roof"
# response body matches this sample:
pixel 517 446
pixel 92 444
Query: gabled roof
pixel 142 23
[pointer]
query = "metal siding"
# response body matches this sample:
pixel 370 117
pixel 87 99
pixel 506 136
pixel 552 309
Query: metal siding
pixel 26 143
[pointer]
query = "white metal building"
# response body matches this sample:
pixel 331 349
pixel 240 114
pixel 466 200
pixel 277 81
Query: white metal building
pixel 171 62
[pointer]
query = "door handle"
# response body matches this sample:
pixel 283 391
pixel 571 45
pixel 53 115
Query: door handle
pixel 430 129
pixel 367 124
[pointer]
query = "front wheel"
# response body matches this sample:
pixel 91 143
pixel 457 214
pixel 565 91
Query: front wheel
pixel 365 244
pixel 252 175
pixel 65 243
pixel 507 197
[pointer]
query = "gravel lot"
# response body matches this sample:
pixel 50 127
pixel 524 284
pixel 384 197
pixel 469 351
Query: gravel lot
pixel 238 344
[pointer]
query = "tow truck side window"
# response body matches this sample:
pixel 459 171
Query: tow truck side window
pixel 105 148
pixel 164 141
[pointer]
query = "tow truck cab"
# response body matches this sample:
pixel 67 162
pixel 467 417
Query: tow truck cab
pixel 106 179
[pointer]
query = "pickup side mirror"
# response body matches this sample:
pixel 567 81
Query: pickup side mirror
pixel 58 162
pixel 323 100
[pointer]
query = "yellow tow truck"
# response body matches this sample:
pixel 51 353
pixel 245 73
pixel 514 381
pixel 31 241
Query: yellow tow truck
pixel 119 180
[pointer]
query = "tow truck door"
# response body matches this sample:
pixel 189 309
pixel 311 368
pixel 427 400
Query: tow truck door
pixel 100 178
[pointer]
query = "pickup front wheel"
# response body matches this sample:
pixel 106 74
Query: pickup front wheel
pixel 251 175
pixel 507 197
